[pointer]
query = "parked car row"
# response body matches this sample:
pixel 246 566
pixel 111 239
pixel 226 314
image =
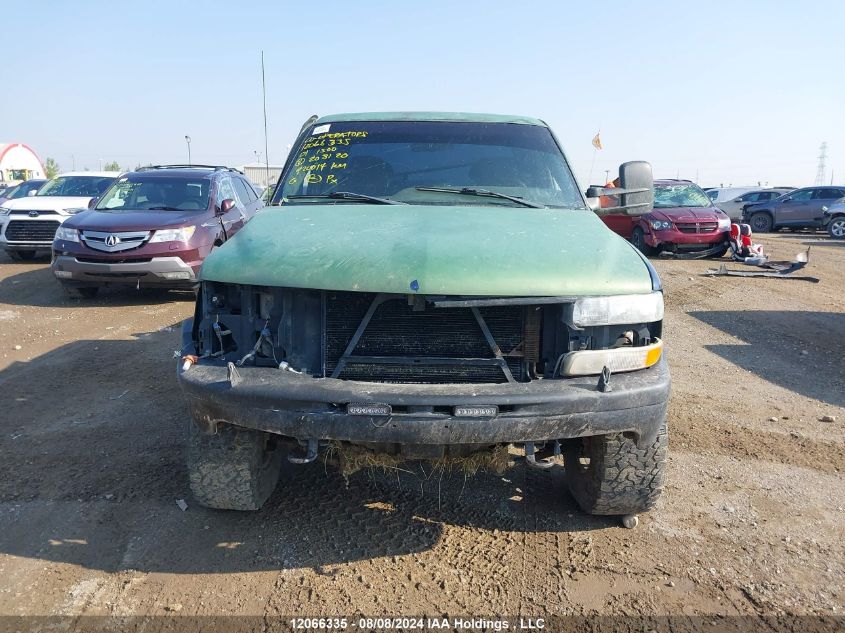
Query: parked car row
pixel 151 227
pixel 687 218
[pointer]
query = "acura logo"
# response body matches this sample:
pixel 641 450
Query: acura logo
pixel 112 240
pixel 33 214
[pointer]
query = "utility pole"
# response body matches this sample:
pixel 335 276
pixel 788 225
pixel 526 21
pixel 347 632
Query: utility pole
pixel 821 167
pixel 188 141
pixel 266 152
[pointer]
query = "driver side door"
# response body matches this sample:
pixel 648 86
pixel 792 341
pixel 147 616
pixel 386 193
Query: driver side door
pixel 792 212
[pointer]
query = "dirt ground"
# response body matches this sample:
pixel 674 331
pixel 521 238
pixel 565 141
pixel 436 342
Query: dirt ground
pixel 751 522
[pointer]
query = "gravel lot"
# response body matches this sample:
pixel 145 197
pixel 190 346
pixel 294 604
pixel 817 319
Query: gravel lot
pixel 751 522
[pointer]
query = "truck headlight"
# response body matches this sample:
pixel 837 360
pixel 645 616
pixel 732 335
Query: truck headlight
pixel 614 310
pixel 66 234
pixel 660 225
pixel 75 210
pixel 173 235
pixel 4 210
pixel 724 223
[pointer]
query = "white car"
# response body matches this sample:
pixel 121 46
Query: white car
pixel 28 225
pixel 723 194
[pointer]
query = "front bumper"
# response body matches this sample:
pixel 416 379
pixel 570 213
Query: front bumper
pixel 158 271
pixel 679 240
pixel 303 407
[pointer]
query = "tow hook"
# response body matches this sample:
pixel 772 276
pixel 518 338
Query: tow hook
pixel 531 458
pixel 604 380
pixel 310 454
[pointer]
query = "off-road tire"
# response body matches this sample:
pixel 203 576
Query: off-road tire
pixel 620 478
pixel 234 469
pixel 81 292
pixel 836 227
pixel 22 255
pixel 761 222
pixel 638 240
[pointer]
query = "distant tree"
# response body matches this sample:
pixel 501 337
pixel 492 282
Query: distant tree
pixel 112 166
pixel 51 167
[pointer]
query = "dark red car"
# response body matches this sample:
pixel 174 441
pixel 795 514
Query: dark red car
pixel 152 227
pixel 684 219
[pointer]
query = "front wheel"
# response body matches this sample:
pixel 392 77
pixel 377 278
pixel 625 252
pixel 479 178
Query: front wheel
pixel 721 252
pixel 638 240
pixel 836 228
pixel 610 475
pixel 761 222
pixel 234 469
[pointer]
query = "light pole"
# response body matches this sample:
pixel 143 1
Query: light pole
pixel 188 141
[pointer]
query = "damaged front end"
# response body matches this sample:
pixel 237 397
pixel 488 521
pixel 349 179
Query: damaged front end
pixel 424 376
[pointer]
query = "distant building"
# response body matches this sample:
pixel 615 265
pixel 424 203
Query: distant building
pixel 18 162
pixel 261 174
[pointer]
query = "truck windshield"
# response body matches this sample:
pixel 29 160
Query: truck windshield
pixel 686 195
pixel 392 159
pixel 139 192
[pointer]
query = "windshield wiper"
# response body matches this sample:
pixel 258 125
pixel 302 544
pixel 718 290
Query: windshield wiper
pixel 469 191
pixel 164 209
pixel 345 195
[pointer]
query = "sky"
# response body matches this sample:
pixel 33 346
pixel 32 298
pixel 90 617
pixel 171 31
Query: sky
pixel 723 93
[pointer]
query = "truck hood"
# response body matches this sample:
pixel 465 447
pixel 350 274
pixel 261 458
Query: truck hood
pixel 133 220
pixel 451 250
pixel 48 203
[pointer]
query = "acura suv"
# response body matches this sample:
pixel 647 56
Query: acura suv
pixel 152 227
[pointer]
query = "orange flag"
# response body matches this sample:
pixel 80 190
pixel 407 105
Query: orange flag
pixel 597 141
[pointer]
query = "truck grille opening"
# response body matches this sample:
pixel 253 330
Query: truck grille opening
pixel 396 330
pixel 31 230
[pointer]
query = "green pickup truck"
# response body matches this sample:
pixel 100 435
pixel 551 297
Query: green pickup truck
pixel 429 286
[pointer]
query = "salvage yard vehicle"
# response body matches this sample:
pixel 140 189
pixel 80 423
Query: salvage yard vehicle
pixel 799 209
pixel 683 220
pixel 834 220
pixel 26 188
pixel 429 286
pixel 29 224
pixel 153 227
pixel 734 207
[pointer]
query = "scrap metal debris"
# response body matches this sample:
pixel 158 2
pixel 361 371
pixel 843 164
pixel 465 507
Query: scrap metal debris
pixel 773 270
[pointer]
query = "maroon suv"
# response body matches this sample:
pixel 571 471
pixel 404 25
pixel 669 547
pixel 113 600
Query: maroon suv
pixel 152 227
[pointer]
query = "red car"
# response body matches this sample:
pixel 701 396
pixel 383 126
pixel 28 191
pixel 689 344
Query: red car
pixel 152 227
pixel 684 219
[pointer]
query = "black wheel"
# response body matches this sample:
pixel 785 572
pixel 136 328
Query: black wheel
pixel 610 475
pixel 836 228
pixel 22 255
pixel 638 240
pixel 721 252
pixel 761 222
pixel 82 292
pixel 234 469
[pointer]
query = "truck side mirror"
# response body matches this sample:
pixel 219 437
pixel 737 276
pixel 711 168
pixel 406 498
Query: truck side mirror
pixel 93 202
pixel 32 192
pixel 637 175
pixel 634 196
